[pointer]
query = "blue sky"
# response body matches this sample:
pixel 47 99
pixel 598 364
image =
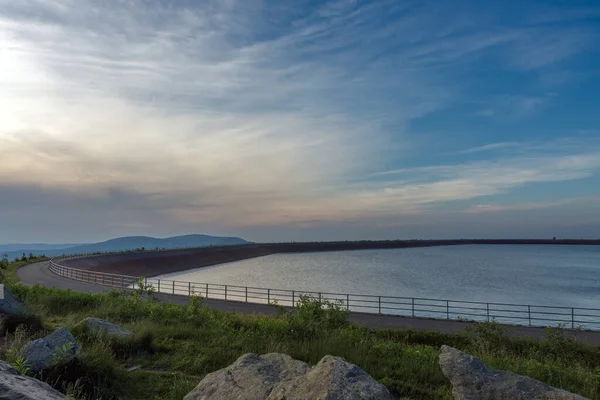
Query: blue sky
pixel 303 120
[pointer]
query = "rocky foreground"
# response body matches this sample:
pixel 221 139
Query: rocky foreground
pixel 280 377
pixel 473 380
pixel 264 377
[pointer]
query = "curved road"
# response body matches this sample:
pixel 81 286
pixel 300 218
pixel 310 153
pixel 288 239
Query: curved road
pixel 39 273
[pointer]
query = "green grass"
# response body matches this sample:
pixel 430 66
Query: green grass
pixel 178 345
pixel 8 269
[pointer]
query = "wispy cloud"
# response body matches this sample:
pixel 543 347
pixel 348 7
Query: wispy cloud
pixel 242 113
pixel 481 178
pixel 490 147
pixel 498 208
pixel 491 208
pixel 539 47
pixel 508 107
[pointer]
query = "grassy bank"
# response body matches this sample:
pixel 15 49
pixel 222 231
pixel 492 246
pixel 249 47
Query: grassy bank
pixel 8 269
pixel 175 346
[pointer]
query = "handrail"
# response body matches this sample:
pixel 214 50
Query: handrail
pixel 534 315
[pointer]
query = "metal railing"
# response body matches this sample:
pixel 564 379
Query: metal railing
pixel 517 314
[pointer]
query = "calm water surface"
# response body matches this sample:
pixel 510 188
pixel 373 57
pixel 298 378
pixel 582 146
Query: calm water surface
pixel 524 274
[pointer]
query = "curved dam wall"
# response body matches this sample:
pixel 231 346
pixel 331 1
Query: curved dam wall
pixel 153 263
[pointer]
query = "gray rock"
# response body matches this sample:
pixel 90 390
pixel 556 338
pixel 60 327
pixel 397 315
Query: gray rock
pixel 332 378
pixel 14 386
pixel 472 380
pixel 278 376
pixel 100 326
pixel 10 304
pixel 58 347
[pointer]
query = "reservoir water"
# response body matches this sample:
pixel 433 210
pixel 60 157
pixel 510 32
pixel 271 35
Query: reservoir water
pixel 523 274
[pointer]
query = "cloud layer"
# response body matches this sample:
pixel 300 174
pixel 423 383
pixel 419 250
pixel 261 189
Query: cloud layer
pixel 251 116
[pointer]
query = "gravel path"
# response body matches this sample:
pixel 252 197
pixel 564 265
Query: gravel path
pixel 39 273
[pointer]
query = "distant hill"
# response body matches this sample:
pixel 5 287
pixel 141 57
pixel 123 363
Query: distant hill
pixel 119 244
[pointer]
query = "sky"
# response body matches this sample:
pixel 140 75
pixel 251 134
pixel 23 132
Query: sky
pixel 299 120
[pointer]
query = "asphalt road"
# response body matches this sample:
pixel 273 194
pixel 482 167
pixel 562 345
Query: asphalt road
pixel 39 273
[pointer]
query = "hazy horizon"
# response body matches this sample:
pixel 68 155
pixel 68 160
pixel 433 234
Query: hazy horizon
pixel 73 244
pixel 307 120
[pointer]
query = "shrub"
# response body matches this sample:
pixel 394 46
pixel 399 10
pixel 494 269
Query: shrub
pixel 3 266
pixel 10 323
pixel 487 338
pixel 140 343
pixel 141 287
pixel 313 316
pixel 557 346
pixel 94 374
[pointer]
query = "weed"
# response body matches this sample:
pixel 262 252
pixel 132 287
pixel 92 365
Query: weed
pixel 16 341
pixel 22 366
pixel 63 353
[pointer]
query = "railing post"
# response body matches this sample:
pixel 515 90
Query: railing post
pixel 293 298
pixel 225 292
pixel 173 287
pixel 158 290
pixel 189 288
pixel 413 306
pixel 320 297
pixel 572 318
pixel 488 311
pixel 268 296
pixel 379 304
pixel 246 294
pixel 447 309
pixel 207 290
pixel 348 302
pixel 529 314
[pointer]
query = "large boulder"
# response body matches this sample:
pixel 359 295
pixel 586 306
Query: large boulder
pixel 10 304
pixel 59 347
pixel 102 327
pixel 278 376
pixel 472 380
pixel 14 386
